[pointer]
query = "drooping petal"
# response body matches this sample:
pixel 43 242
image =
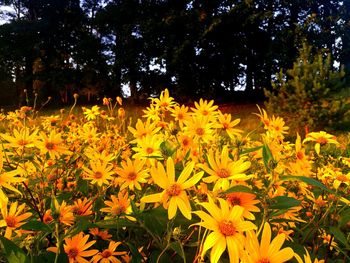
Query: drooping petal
pixel 217 250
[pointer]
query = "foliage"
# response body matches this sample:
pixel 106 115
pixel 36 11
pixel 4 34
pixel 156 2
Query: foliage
pixel 178 183
pixel 312 93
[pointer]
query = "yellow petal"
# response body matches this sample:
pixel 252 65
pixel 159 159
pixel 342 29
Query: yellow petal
pixel 153 198
pixel 184 206
pixel 172 208
pixel 217 250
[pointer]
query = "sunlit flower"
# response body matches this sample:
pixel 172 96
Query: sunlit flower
pixel 21 138
pixel 267 250
pixel 148 147
pixel 132 174
pixel 225 124
pixel 76 248
pixel 307 258
pixel 164 101
pixel 103 234
pixel 180 114
pixel 91 114
pixel 222 170
pixel 53 144
pixel 63 212
pixel 108 255
pixel 320 138
pixel 173 195
pixel 245 200
pixel 205 108
pixel 100 173
pixel 82 207
pixel 200 129
pixel 152 112
pixel 118 206
pixel 227 228
pixel 142 129
pixel 13 218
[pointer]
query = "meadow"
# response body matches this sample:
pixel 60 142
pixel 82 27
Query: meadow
pixel 170 183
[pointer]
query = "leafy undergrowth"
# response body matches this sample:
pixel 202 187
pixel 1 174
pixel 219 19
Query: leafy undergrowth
pixel 180 184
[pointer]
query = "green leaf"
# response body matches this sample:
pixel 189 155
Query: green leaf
pixel 339 236
pixel 238 188
pixel 36 226
pixel 344 218
pixel 136 256
pixel 267 156
pixel 250 150
pixel 12 252
pixel 178 248
pixel 116 223
pixel 284 202
pixel 307 180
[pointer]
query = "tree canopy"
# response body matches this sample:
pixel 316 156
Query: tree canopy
pixel 198 48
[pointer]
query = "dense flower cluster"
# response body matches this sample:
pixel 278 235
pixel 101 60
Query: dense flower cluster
pixel 180 183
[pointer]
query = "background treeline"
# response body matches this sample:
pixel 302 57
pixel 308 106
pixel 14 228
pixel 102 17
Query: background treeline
pixel 199 48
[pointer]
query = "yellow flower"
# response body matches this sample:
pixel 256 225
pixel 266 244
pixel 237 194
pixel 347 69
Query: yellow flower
pixel 108 255
pixel 82 207
pixel 118 206
pixel 100 172
pixel 52 144
pixel 91 114
pixel 21 138
pixel 12 218
pixel 205 108
pixel 227 228
pixel 132 173
pixel 148 147
pixel 64 212
pixel 307 258
pixel 143 129
pixel 320 138
pixel 245 200
pixel 180 114
pixel 267 250
pixel 174 195
pixel 200 129
pixel 223 170
pixel 76 248
pixel 225 124
pixel 165 102
pixel 152 113
pixel 8 178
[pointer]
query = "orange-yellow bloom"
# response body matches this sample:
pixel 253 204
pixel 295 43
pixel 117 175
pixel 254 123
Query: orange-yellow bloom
pixel 245 200
pixel 108 255
pixel 12 218
pixel 100 172
pixel 132 173
pixel 227 228
pixel 174 194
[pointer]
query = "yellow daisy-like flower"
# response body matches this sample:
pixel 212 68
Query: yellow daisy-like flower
pixel 222 170
pixel 64 211
pixel 53 144
pixel 108 255
pixel 225 124
pixel 320 138
pixel 148 147
pixel 174 195
pixel 200 129
pixel 180 114
pixel 21 138
pixel 132 173
pixel 100 173
pixel 91 114
pixel 267 250
pixel 76 248
pixel 205 108
pixel 245 200
pixel 164 101
pixel 142 129
pixel 12 218
pixel 307 258
pixel 152 113
pixel 227 228
pixel 118 206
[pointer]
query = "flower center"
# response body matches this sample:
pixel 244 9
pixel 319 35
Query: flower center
pixel 300 155
pixel 322 140
pixel 227 228
pixel 200 131
pixel 106 253
pixel 73 252
pixel 22 142
pixel 117 210
pixel 98 175
pixel 174 190
pixel 50 146
pixel 180 116
pixel 223 173
pixel 132 176
pixel 149 150
pixel 234 200
pixel 185 142
pixel 205 112
pixel 225 126
pixel 264 260
pixel 11 221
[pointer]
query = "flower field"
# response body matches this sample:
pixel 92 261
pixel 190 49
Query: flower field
pixel 180 184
